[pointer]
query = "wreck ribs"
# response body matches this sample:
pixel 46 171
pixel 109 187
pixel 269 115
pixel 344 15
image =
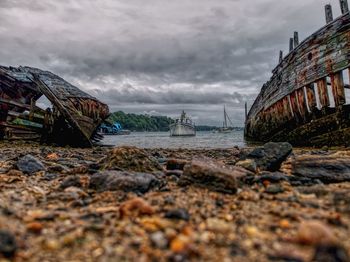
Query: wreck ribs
pixel 304 102
pixel 73 120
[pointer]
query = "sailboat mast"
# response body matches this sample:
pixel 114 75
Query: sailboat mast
pixel 225 117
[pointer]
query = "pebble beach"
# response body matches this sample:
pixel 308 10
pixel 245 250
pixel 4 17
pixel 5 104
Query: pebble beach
pixel 268 203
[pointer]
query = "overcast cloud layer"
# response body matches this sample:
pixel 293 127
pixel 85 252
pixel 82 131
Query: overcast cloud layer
pixel 159 56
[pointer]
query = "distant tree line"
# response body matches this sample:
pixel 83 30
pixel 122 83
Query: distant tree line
pixel 148 123
pixel 135 122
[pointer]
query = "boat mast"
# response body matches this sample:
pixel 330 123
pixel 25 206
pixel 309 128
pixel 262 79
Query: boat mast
pixel 225 118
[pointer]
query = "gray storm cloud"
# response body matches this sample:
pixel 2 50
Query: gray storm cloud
pixel 158 56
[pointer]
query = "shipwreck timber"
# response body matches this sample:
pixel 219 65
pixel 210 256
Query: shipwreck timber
pixel 305 101
pixel 73 118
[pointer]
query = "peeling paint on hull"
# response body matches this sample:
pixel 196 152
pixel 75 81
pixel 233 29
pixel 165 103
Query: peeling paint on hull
pixel 304 102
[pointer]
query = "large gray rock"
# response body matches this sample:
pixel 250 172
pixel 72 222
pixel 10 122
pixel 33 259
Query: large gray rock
pixel 327 168
pixel 212 176
pixel 271 155
pixel 30 164
pixel 128 182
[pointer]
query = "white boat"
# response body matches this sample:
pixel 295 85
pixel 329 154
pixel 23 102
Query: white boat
pixel 183 126
pixel 225 128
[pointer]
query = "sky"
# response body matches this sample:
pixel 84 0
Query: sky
pixel 159 56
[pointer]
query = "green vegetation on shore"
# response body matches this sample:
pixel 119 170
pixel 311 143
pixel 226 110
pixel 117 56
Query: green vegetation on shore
pixel 148 123
pixel 135 122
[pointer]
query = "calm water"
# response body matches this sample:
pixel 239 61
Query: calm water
pixel 163 140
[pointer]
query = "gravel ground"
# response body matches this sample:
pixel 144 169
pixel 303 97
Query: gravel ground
pixel 130 204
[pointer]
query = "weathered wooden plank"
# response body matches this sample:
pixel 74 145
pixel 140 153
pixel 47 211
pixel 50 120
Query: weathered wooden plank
pixel 14 103
pixel 301 102
pixel 296 39
pixel 338 88
pixel 29 128
pixel 291 44
pixel 286 109
pixel 280 57
pixel 21 105
pixel 329 13
pixel 294 104
pixel 52 97
pixel 290 105
pixel 311 97
pixel 322 92
pixel 344 6
pixel 35 118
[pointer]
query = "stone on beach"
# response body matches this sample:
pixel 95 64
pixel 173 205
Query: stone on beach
pixel 248 164
pixel 159 240
pixel 176 164
pixel 271 155
pixel 179 213
pixel 315 233
pixel 321 237
pixel 327 168
pixel 30 164
pixel 71 181
pixel 212 176
pixel 8 245
pixel 131 159
pixel 128 182
pixel 135 207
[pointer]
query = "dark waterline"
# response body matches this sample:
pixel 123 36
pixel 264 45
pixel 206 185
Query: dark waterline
pixel 163 140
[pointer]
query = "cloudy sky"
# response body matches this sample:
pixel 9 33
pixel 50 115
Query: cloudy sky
pixel 159 56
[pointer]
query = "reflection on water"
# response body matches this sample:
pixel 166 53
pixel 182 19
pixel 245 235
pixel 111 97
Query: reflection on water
pixel 163 140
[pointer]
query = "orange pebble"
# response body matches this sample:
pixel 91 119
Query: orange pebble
pixel 135 207
pixel 266 183
pixel 35 227
pixel 179 244
pixel 284 223
pixel 52 156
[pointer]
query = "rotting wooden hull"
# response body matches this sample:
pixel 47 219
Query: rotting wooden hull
pixel 73 120
pixel 295 105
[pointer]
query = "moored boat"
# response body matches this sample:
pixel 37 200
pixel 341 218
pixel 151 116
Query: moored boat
pixel 183 126
pixel 225 127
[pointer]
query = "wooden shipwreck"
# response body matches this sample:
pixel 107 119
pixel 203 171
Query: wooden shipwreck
pixel 72 118
pixel 305 101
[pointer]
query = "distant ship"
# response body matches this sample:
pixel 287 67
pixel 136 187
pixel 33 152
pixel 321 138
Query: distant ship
pixel 183 126
pixel 225 128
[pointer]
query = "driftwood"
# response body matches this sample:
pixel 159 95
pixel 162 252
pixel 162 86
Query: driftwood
pixel 73 118
pixel 295 104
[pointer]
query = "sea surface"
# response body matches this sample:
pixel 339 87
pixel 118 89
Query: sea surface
pixel 202 140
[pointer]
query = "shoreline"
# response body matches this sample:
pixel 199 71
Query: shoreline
pixel 125 203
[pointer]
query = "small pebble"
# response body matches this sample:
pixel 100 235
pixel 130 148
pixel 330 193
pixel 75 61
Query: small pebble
pixel 35 227
pixel 71 181
pixel 159 240
pixel 135 207
pixel 8 245
pixel 179 213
